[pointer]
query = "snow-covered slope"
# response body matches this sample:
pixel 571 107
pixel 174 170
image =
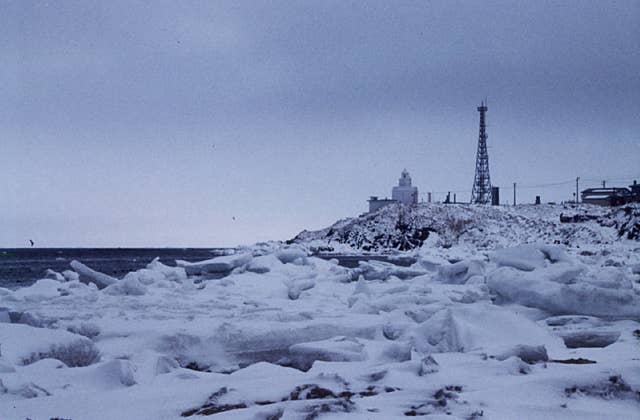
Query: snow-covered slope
pixel 398 227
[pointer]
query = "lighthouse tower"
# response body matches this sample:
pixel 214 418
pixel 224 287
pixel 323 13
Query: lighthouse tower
pixel 405 193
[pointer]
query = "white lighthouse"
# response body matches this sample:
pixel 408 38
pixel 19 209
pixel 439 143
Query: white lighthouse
pixel 403 193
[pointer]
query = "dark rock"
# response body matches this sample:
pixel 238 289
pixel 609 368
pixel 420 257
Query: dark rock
pixel 339 406
pixel 578 361
pixel 310 392
pixel 211 406
pixel 580 339
pixel 369 392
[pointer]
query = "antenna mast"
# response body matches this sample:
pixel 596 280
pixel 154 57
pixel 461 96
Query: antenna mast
pixel 481 192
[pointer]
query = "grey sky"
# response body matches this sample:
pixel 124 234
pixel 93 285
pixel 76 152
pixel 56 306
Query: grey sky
pixel 156 123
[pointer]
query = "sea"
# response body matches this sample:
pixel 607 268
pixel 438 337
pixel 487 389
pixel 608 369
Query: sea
pixel 23 266
pixel 20 267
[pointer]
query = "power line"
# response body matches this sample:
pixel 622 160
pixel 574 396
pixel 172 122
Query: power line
pixel 549 184
pixel 631 178
pixel 614 177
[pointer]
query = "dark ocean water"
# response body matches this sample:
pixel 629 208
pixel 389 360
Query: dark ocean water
pixel 23 266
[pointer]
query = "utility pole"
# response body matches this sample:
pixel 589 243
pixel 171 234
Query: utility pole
pixel 577 189
pixel 514 193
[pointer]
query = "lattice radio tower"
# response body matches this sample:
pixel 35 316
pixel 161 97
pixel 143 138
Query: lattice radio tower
pixel 481 192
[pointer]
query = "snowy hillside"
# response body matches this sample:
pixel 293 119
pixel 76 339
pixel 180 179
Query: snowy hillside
pixel 495 320
pixel 403 228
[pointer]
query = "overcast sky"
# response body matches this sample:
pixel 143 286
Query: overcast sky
pixel 217 123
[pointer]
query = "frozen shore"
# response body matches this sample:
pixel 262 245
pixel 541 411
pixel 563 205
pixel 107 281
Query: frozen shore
pixel 496 324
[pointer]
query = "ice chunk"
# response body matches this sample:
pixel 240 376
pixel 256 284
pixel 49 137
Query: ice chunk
pixel 53 275
pixel 23 389
pixel 85 329
pixel 391 351
pixel 177 274
pixel 147 277
pixel 429 262
pixel 586 338
pixel 70 275
pixel 198 353
pixel 610 278
pixel 41 290
pixel 380 270
pixel 515 366
pixel 296 286
pixel 396 325
pixel 554 253
pixel 263 264
pixel 461 271
pixel 530 256
pixel 539 290
pixel 129 285
pixel 6 368
pixel 34 320
pixel 23 345
pixel 440 333
pixel 223 264
pixel 480 328
pixel 165 364
pixel 337 349
pixel 428 365
pixel 361 287
pixel 4 315
pixel 523 257
pixel 116 373
pixel 87 275
pixel 292 254
pixel 526 353
pixel 251 342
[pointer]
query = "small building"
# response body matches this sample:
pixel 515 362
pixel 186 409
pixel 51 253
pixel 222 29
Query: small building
pixel 495 196
pixel 376 203
pixel 607 196
pixel 403 193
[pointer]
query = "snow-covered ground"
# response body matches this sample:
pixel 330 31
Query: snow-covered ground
pixel 506 314
pixel 481 227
